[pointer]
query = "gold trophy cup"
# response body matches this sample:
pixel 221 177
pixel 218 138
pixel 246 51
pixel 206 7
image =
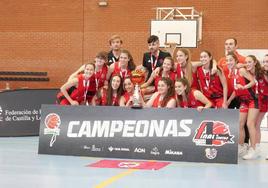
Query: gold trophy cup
pixel 137 78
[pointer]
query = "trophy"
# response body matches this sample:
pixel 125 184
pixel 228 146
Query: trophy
pixel 137 78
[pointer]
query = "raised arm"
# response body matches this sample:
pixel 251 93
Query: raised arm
pixel 110 71
pixel 74 75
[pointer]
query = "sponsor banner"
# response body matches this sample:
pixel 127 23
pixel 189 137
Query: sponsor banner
pixel 153 134
pixel 126 164
pixel 20 110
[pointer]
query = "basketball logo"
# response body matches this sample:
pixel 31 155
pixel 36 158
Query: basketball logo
pixel 213 133
pixel 52 121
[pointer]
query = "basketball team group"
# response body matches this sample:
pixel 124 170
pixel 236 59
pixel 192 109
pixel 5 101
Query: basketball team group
pixel 234 81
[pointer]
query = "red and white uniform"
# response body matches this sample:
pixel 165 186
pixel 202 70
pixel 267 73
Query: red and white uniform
pixel 103 101
pixel 158 101
pixel 100 76
pixel 181 74
pixel 191 102
pixel 223 65
pixel 263 94
pixel 84 92
pixel 127 96
pixel 119 71
pixel 247 97
pixel 172 76
pixel 211 86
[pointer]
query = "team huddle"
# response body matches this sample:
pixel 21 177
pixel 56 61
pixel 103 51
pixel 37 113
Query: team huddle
pixel 232 82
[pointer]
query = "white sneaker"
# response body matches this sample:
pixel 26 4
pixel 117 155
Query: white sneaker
pixel 258 149
pixel 252 154
pixel 242 150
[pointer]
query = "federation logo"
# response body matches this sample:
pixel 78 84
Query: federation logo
pixel 52 123
pixel 213 133
pixel 211 153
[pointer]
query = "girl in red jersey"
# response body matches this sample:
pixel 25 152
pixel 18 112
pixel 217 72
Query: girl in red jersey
pixel 101 70
pixel 128 87
pixel 164 97
pixel 214 87
pixel 188 97
pixel 184 67
pixel 110 96
pixel 166 70
pixel 85 88
pixel 261 78
pixel 243 83
pixel 124 66
pixel 127 98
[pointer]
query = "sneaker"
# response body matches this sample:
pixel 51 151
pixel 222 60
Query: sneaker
pixel 242 150
pixel 247 146
pixel 252 154
pixel 258 149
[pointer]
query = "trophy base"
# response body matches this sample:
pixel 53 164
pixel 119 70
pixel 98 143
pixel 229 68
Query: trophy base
pixel 136 107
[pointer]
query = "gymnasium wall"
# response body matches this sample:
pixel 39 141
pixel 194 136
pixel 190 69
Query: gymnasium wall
pixel 57 36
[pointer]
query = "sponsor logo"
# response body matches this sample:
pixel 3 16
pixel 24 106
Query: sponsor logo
pixel 94 148
pixel 211 153
pixel 171 152
pixel 111 148
pixel 139 150
pixel 52 123
pixel 155 151
pixel 128 164
pixel 86 147
pixel 213 133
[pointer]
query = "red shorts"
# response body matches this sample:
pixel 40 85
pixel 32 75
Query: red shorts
pixel 246 104
pixel 263 103
pixel 217 103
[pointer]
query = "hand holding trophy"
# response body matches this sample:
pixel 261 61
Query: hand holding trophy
pixel 138 78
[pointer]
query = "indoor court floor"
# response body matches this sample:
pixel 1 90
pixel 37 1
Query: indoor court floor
pixel 21 166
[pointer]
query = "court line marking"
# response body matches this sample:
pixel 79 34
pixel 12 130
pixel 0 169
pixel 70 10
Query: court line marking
pixel 112 179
